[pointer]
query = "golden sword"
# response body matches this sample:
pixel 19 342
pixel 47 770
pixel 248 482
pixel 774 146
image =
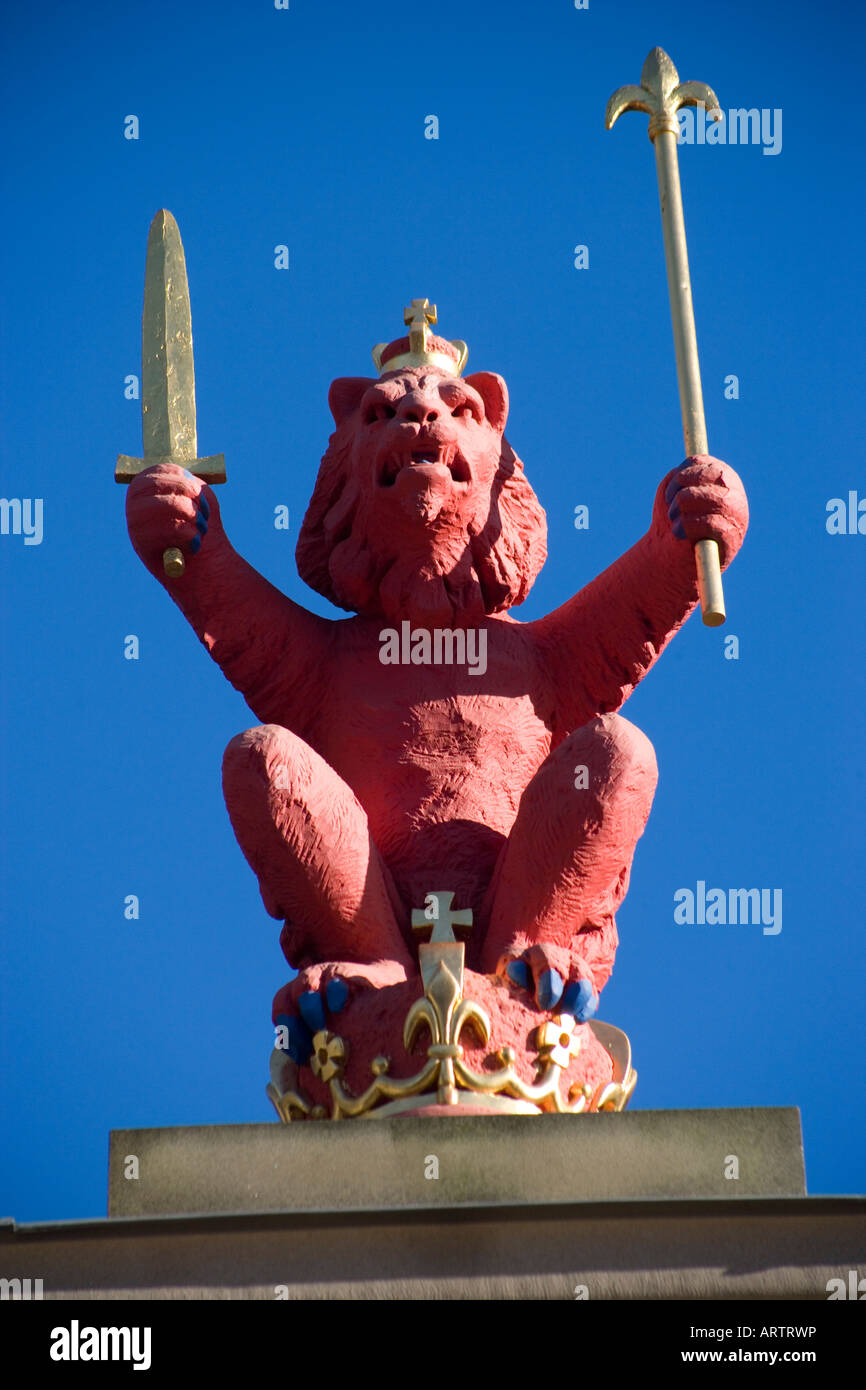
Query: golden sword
pixel 167 372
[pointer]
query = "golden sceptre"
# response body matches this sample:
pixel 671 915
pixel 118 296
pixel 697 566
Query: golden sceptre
pixel 660 95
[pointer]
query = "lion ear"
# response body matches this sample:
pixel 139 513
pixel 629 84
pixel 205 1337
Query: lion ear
pixel 494 393
pixel 345 394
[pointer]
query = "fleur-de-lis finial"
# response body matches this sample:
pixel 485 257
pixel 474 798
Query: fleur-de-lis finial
pixel 660 95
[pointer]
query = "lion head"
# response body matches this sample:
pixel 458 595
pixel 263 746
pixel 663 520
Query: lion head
pixel 421 509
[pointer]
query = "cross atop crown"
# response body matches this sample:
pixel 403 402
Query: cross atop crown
pixel 419 313
pixel 437 918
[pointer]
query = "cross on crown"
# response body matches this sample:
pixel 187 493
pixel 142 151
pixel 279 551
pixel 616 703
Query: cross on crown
pixel 437 917
pixel 419 313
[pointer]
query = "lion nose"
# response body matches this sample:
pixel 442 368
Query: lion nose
pixel 418 411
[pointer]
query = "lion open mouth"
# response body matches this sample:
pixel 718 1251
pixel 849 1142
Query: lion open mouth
pixel 435 461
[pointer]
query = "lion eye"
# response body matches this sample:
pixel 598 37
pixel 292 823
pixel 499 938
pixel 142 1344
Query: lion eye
pixel 378 411
pixel 463 412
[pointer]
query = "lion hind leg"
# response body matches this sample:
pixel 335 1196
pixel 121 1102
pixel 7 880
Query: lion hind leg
pixel 306 837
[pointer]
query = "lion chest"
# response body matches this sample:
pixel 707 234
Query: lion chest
pixel 435 741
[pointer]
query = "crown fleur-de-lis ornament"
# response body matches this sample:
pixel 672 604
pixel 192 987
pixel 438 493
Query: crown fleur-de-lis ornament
pixel 660 95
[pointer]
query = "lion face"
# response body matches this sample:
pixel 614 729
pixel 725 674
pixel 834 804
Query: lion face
pixel 421 509
pixel 432 451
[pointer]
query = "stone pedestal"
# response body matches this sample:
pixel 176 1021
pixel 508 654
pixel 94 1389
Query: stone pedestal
pixel 625 1206
pixel 467 1160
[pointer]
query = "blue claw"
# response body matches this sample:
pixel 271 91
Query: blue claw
pixel 673 487
pixel 300 1041
pixel 676 521
pixel 201 523
pixel 518 974
pixel 195 545
pixel 548 991
pixel 580 1000
pixel 312 1010
pixel 203 505
pixel 336 994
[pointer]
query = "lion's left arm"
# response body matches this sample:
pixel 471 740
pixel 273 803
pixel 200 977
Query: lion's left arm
pixel 597 647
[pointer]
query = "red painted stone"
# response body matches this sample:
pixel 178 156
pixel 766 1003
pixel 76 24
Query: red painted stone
pixel 367 785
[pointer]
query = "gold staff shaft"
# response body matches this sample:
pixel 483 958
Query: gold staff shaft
pixel 660 95
pixel 686 349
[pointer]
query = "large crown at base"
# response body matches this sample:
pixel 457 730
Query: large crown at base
pixel 421 348
pixel 565 1055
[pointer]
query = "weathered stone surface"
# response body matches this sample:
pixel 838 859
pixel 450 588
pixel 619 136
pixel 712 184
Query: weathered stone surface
pixel 481 1160
pixel 767 1248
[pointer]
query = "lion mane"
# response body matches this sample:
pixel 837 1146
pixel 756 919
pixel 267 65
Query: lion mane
pixel 338 557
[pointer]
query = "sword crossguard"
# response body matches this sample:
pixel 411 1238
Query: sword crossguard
pixel 660 95
pixel 212 469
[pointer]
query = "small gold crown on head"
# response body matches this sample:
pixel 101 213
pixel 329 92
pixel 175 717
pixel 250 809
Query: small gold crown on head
pixel 421 348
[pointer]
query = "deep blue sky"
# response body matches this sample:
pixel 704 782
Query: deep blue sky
pixel 306 127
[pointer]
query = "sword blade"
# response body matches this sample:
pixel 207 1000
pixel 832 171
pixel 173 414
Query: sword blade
pixel 168 375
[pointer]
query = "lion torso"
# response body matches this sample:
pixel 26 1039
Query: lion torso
pixel 433 748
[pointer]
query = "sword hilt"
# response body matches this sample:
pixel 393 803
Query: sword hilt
pixel 211 470
pixel 173 562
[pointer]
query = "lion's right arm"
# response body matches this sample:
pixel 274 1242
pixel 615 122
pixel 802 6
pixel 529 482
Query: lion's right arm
pixel 271 649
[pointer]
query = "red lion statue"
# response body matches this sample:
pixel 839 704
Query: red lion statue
pixel 431 740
